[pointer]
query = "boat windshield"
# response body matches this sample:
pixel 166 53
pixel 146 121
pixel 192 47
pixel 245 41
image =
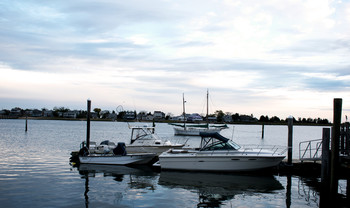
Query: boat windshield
pixel 229 145
pixel 234 145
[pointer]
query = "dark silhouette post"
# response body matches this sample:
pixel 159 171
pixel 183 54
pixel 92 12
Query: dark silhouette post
pixel 326 134
pixel 26 129
pixel 324 195
pixel 290 140
pixel 262 131
pixel 337 108
pixel 88 124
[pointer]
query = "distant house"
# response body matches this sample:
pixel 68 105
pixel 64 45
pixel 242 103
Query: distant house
pixel 48 113
pixel 158 115
pixel 246 118
pixel 194 117
pixel 94 115
pixel 227 118
pixel 112 116
pixel 70 114
pixel 129 115
pixel 35 113
pixel 148 118
pixel 16 112
pixel 212 119
pixel 178 118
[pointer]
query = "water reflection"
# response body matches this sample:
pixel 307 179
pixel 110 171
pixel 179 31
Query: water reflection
pixel 213 189
pixel 140 177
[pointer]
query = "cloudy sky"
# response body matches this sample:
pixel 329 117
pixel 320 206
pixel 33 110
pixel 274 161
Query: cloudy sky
pixel 275 58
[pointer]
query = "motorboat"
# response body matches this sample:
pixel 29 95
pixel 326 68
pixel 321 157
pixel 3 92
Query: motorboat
pixel 218 153
pixel 144 139
pixel 118 156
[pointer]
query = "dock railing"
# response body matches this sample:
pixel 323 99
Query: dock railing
pixel 310 150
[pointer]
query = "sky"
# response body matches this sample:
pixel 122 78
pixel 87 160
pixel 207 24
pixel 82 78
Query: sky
pixel 274 58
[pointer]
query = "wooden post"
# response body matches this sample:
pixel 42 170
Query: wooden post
pixel 26 129
pixel 290 140
pixel 88 124
pixel 337 108
pixel 324 194
pixel 262 131
pixel 326 135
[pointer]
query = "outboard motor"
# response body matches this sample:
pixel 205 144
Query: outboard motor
pixel 120 149
pixel 84 151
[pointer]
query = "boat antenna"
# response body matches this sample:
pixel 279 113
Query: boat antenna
pixel 183 107
pixel 207 108
pixel 121 109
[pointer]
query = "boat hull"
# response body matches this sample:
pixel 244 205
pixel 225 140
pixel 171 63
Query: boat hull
pixel 194 162
pixel 193 131
pixel 130 159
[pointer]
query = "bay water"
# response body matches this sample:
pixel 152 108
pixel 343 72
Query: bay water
pixel 35 170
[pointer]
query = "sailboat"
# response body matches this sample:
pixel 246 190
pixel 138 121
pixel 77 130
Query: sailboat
pixel 195 129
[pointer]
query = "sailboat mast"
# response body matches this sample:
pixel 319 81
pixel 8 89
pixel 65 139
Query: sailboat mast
pixel 207 108
pixel 183 107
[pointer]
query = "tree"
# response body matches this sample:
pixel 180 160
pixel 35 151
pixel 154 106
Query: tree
pixel 235 117
pixel 97 110
pixel 219 115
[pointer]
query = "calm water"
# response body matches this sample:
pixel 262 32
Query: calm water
pixel 35 171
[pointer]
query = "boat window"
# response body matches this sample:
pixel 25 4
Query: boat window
pixel 234 145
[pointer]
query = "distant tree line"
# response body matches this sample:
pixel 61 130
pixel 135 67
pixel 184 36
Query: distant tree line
pixel 98 113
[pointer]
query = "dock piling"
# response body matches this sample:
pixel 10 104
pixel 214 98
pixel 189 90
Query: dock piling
pixel 325 157
pixel 26 128
pixel 88 124
pixel 337 108
pixel 290 140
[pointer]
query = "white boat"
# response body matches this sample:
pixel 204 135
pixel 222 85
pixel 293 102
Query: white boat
pixel 195 129
pixel 143 139
pixel 118 156
pixel 217 153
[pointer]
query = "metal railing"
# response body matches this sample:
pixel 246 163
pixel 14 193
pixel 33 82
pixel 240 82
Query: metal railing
pixel 275 149
pixel 310 150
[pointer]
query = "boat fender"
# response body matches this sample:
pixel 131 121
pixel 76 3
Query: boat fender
pixel 84 151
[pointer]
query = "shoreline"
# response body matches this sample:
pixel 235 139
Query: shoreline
pixel 165 121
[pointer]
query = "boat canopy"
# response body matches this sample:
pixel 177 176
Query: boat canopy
pixel 215 141
pixel 215 135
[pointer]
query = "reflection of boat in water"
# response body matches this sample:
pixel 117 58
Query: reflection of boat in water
pixel 214 188
pixel 138 176
pixel 112 169
pixel 217 153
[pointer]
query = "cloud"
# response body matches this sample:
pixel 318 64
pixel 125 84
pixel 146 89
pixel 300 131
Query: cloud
pixel 247 52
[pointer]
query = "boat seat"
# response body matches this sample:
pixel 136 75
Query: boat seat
pixel 120 149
